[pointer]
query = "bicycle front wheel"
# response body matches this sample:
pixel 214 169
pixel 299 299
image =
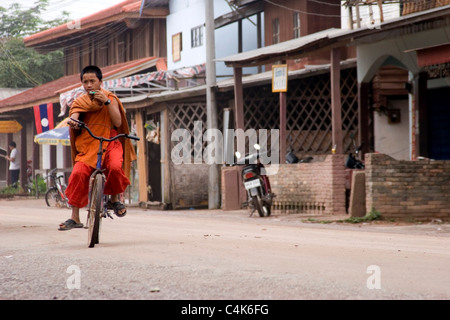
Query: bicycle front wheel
pixel 52 197
pixel 95 211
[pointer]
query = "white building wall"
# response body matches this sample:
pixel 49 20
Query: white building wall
pixel 393 138
pixel 187 14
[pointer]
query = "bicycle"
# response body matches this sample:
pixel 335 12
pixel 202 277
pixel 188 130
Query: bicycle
pixel 98 201
pixel 55 195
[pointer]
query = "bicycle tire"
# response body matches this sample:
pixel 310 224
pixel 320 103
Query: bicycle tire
pixel 52 197
pixel 95 210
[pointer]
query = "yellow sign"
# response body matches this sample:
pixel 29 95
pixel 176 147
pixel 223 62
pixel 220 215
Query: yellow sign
pixel 279 78
pixel 10 126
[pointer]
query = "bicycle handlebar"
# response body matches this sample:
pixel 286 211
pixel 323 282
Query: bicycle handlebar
pixel 51 173
pixel 83 125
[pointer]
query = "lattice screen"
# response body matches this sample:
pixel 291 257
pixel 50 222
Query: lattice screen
pixel 308 112
pixel 184 116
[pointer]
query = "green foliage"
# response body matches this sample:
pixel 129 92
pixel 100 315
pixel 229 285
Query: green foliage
pixel 30 188
pixel 42 185
pixel 16 22
pixel 371 216
pixel 22 67
pixel 10 190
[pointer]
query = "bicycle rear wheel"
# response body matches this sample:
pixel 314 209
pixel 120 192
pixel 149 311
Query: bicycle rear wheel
pixel 95 211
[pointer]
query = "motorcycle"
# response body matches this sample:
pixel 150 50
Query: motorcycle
pixel 352 161
pixel 257 184
pixel 292 158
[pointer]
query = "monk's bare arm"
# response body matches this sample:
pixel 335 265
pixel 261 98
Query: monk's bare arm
pixel 114 113
pixel 73 124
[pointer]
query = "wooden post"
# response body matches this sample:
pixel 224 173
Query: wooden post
pixel 23 179
pixel 336 107
pixel 142 158
pixel 420 98
pixel 380 6
pixel 282 126
pixel 363 120
pixel 238 99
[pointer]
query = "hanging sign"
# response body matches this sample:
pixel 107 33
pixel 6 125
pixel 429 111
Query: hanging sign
pixel 279 78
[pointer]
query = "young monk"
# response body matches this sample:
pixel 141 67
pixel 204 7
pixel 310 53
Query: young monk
pixel 104 114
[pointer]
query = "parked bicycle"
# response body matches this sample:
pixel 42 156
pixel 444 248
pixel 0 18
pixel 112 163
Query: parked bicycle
pixel 55 195
pixel 98 201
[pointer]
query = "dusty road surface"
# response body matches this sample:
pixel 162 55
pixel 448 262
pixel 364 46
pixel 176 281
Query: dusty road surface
pixel 217 255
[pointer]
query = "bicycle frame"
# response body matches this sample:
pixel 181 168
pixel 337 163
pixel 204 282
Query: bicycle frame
pixel 99 170
pixel 102 207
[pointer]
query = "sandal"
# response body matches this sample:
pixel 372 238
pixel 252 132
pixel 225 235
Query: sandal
pixel 69 224
pixel 117 207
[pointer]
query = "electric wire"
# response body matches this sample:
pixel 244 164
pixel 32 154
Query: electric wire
pixel 10 57
pixel 101 36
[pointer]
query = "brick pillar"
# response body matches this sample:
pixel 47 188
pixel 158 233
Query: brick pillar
pixel 338 184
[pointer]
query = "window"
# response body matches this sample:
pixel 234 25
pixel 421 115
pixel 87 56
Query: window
pixel 275 31
pixel 296 25
pixel 197 37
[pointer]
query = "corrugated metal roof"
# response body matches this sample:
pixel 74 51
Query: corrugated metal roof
pixel 255 57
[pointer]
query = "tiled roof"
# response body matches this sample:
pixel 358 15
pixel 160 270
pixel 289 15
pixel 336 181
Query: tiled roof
pixel 116 13
pixel 111 11
pixel 50 91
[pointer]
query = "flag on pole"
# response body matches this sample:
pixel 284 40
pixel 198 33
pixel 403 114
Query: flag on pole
pixel 43 117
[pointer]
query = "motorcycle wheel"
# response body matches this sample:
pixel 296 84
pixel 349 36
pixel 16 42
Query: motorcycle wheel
pixel 261 206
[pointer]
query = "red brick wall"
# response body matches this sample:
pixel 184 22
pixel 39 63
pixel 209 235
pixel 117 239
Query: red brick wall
pixel 407 190
pixel 315 188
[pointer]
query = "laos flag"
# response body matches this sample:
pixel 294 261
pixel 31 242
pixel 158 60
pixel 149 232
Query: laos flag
pixel 43 117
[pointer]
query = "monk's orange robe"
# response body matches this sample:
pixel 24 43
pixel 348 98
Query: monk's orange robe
pixel 97 118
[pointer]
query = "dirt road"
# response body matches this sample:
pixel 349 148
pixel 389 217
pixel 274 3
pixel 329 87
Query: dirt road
pixel 211 254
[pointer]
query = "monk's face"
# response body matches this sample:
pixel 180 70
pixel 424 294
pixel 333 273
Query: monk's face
pixel 91 82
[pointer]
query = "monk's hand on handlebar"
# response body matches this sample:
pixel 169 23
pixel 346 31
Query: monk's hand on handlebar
pixel 79 124
pixel 75 123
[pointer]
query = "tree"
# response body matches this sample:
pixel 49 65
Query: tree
pixel 22 67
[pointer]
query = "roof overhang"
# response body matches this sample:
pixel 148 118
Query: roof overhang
pixel 292 49
pixel 428 56
pixel 53 89
pixel 265 78
pixel 332 38
pixel 143 101
pixel 122 72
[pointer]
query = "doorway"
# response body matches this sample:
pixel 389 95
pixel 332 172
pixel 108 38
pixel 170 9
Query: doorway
pixel 154 176
pixel 438 124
